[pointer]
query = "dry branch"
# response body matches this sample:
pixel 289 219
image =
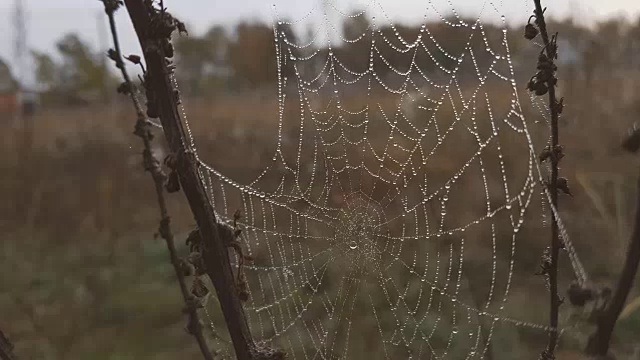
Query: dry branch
pixel 142 129
pixel 600 340
pixel 154 27
pixel 544 82
pixel 6 348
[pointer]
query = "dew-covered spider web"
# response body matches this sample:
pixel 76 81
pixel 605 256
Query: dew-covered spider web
pixel 399 211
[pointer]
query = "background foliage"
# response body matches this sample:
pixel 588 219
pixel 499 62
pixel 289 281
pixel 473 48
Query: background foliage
pixel 81 275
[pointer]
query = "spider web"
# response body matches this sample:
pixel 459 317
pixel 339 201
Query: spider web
pixel 389 216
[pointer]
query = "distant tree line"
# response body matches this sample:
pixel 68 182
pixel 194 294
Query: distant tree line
pixel 243 58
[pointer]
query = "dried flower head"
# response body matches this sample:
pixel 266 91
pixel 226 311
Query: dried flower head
pixel 199 288
pixel 632 142
pixel 579 295
pixel 530 31
pixel 110 6
pixel 134 59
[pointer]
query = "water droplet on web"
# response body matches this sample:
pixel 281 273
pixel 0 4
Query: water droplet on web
pixel 353 245
pixel 454 330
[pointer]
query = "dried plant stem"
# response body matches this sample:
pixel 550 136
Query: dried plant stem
pixel 552 272
pixel 152 165
pixel 600 340
pixel 155 44
pixel 6 348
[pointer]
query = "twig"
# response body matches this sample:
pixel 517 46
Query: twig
pixel 600 340
pixel 154 28
pixel 544 82
pixel 152 165
pixel 6 348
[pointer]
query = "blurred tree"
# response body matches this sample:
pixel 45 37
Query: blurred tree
pixel 81 68
pixel 251 54
pixel 78 77
pixel 8 91
pixel 202 63
pixel 46 69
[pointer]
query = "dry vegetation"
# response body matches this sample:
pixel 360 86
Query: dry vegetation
pixel 82 275
pixel 81 267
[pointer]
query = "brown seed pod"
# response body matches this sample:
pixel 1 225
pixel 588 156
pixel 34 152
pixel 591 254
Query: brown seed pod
pixel 560 106
pixel 530 31
pixel 578 295
pixel 558 152
pixel 186 268
pixel 541 88
pixel 632 142
pixel 545 154
pixel 199 288
pixel 531 85
pixel 173 182
pixel 124 88
pixel 134 59
pixel 563 185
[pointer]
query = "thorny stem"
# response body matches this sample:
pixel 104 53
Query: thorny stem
pixel 152 165
pixel 555 241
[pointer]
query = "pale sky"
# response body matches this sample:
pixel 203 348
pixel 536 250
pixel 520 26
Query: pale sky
pixel 48 20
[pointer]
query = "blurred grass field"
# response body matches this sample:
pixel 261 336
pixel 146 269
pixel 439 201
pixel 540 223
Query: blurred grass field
pixel 84 278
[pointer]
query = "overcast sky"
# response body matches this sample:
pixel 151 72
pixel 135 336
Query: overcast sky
pixel 48 20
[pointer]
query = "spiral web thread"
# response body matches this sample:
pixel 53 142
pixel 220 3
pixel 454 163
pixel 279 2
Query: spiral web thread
pixel 362 221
